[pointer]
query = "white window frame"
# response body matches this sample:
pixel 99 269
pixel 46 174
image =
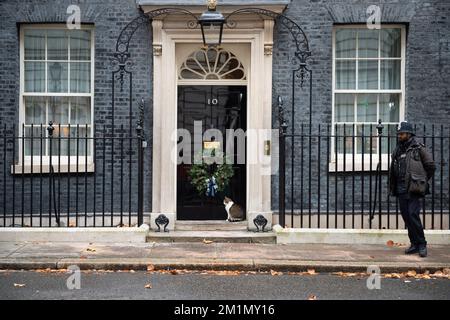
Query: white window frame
pixel 60 163
pixel 364 163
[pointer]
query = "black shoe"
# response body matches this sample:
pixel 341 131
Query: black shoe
pixel 412 249
pixel 423 251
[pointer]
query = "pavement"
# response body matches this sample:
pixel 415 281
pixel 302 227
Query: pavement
pixel 218 256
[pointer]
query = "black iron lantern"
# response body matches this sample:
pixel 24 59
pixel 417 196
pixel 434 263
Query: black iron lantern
pixel 211 22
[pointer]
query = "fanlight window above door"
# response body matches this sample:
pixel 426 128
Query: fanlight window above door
pixel 212 64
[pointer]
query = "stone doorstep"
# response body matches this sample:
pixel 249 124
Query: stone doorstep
pixel 232 236
pixel 210 225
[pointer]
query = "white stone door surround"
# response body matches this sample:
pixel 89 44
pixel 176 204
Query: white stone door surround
pixel 168 31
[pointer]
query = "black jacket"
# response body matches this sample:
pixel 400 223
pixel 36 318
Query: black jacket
pixel 420 168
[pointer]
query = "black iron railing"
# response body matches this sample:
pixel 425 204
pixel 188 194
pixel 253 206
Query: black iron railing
pixel 336 176
pixel 77 176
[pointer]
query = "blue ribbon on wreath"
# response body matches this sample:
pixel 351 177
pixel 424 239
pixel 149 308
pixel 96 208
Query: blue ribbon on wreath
pixel 212 187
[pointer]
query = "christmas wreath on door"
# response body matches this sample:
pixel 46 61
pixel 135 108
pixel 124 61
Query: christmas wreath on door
pixel 210 177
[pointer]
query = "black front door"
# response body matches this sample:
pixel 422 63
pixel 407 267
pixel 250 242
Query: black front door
pixel 217 107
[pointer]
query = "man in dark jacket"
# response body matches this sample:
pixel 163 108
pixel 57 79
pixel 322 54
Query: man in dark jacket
pixel 411 168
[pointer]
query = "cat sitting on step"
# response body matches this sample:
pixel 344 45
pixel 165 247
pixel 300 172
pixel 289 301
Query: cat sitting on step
pixel 234 211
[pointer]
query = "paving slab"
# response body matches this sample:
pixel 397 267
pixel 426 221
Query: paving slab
pixel 94 251
pixel 48 249
pixel 8 248
pixel 179 250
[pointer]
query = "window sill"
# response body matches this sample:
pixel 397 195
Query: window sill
pixel 19 169
pixel 356 167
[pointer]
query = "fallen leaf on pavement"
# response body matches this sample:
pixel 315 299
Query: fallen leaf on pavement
pixel 311 272
pixel 207 241
pixel 19 285
pixel 275 273
pixel 226 273
pixel 441 274
pixel 219 272
pixel 393 275
pixel 48 270
pixel 312 297
pixel 150 267
pixel 411 273
pixel 148 286
pixel 350 274
pixel 391 243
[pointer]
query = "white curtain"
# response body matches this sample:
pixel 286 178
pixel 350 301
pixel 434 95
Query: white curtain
pixel 80 77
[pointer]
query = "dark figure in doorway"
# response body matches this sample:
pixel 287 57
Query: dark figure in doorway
pixel 411 168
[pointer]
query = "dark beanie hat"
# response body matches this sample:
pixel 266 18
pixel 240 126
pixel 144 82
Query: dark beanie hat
pixel 405 127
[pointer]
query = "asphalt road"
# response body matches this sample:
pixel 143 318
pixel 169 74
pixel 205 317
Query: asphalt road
pixel 126 285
